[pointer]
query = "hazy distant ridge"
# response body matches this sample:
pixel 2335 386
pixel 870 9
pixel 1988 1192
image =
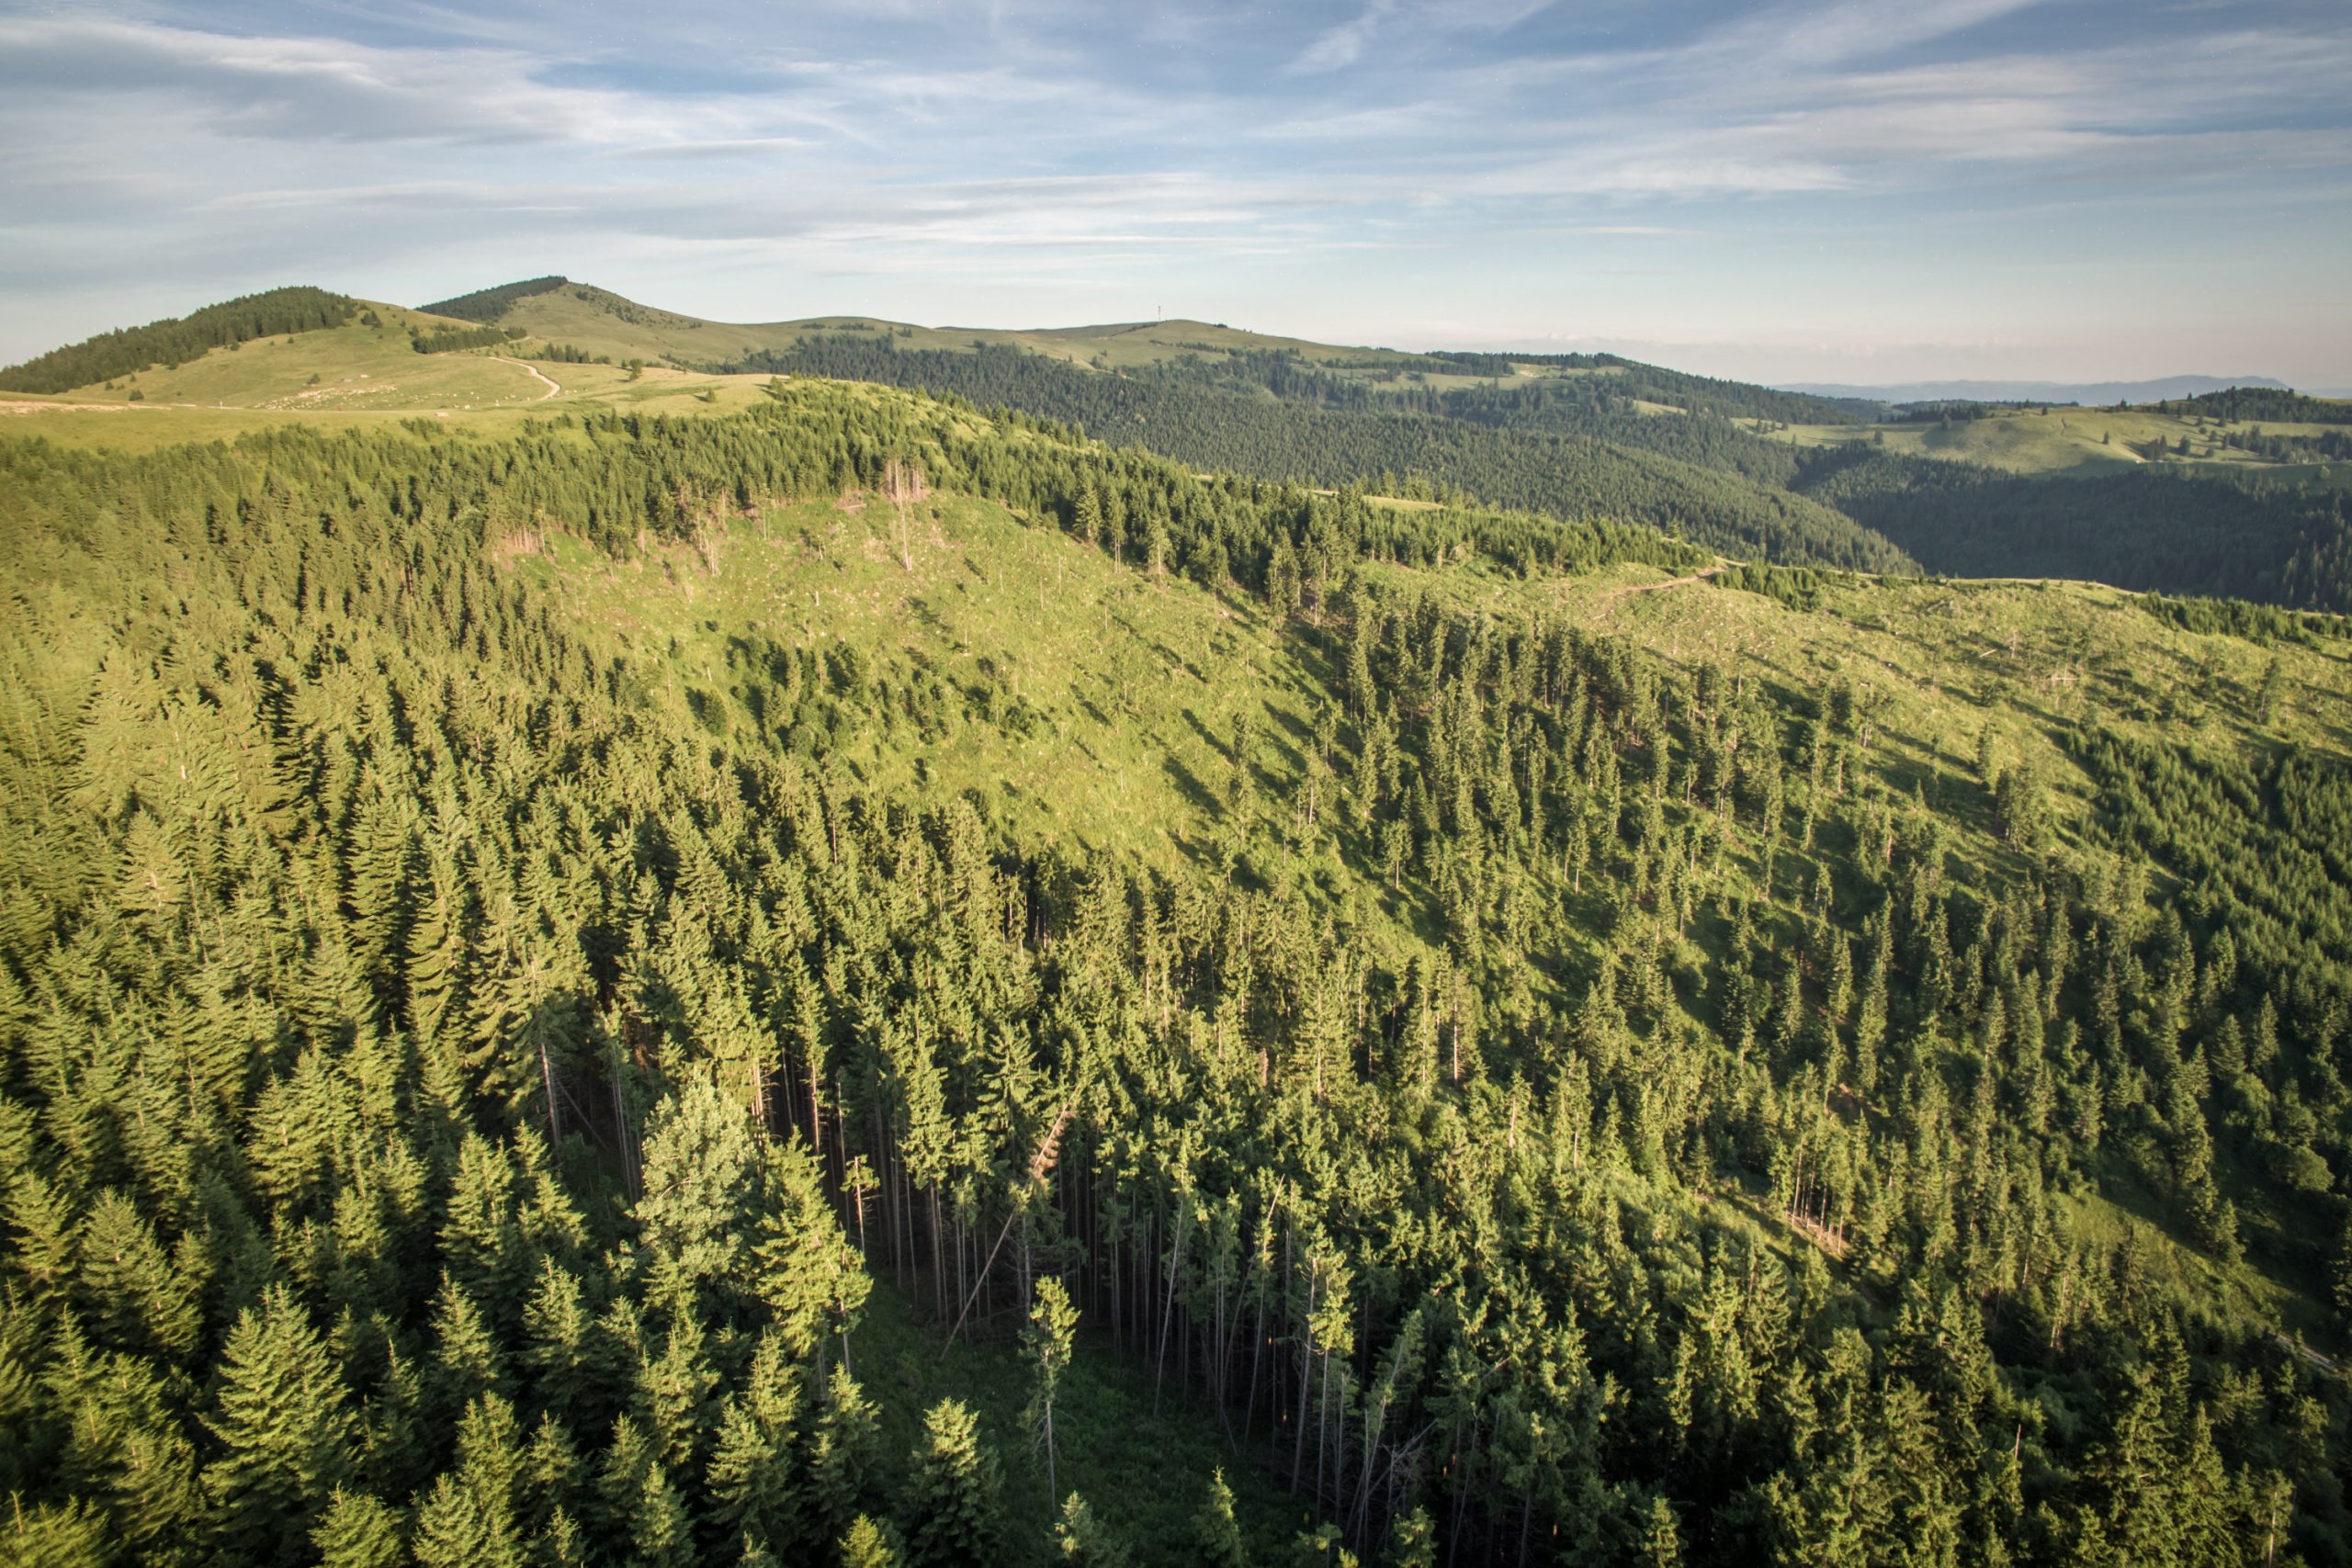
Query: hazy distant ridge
pixel 2092 392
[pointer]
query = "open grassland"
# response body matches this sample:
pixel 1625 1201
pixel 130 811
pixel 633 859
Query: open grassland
pixel 2067 442
pixel 470 391
pixel 605 323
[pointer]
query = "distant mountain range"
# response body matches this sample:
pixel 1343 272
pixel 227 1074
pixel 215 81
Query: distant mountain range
pixel 2088 392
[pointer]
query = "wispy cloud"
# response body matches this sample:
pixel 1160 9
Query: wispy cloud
pixel 1384 22
pixel 1848 158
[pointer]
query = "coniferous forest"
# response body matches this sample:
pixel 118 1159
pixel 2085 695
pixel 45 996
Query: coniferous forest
pixel 1569 1101
pixel 1576 447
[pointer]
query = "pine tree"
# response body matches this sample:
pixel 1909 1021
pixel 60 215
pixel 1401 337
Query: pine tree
pixel 49 1249
pixel 128 1285
pixel 809 1276
pixel 453 1532
pixel 1661 1543
pixel 1412 1543
pixel 697 1216
pixel 566 1358
pixel 1216 1533
pixel 661 1533
pixel 1081 1539
pixel 870 1543
pixel 842 1458
pixel 757 1486
pixel 123 1444
pixel 284 1429
pixel 673 1399
pixel 1046 1338
pixel 480 1244
pixel 952 1506
pixel 53 1535
pixel 358 1532
pixel 467 1361
pixel 1087 521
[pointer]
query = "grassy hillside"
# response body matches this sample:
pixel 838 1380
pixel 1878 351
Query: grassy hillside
pixel 359 374
pixel 606 323
pixel 2076 442
pixel 175 339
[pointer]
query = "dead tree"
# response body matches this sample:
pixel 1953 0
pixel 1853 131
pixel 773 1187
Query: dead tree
pixel 903 486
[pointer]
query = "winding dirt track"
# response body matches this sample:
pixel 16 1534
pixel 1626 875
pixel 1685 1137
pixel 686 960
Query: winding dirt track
pixel 536 373
pixel 1661 587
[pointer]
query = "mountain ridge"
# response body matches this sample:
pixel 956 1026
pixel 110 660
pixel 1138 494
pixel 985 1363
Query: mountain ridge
pixel 1752 471
pixel 2154 389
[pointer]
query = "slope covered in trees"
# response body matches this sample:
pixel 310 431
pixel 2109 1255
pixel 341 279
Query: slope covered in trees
pixel 174 338
pixel 2282 539
pixel 2284 543
pixel 489 304
pixel 1693 1075
pixel 1567 475
pixel 1582 445
pixel 2268 404
pixel 2252 534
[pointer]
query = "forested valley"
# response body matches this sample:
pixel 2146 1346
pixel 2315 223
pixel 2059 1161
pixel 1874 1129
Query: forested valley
pixel 1233 431
pixel 1612 442
pixel 1560 1099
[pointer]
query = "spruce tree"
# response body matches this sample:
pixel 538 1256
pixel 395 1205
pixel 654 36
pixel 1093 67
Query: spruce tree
pixel 870 1543
pixel 1081 1538
pixel 1046 1338
pixel 452 1531
pixel 1217 1532
pixel 952 1506
pixel 358 1532
pixel 281 1416
pixel 843 1455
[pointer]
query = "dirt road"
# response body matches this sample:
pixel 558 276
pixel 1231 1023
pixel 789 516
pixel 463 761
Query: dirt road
pixel 536 373
pixel 1661 587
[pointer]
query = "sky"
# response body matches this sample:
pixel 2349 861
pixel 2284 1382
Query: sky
pixel 1811 190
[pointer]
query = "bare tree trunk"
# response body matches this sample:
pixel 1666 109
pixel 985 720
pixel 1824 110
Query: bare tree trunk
pixel 546 1077
pixel 1306 1383
pixel 903 486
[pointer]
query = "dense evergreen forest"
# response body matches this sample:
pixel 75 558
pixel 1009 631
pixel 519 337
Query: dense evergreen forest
pixel 489 304
pixel 2286 543
pixel 1235 431
pixel 454 340
pixel 2269 405
pixel 177 339
pixel 1696 394
pixel 1596 445
pixel 1575 1105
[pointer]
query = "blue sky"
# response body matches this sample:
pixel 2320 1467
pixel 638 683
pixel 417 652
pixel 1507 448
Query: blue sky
pixel 1853 190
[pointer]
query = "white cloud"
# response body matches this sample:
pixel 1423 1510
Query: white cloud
pixel 956 148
